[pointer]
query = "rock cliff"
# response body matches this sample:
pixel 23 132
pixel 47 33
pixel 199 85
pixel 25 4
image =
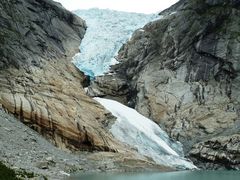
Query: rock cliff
pixel 38 82
pixel 24 150
pixel 183 71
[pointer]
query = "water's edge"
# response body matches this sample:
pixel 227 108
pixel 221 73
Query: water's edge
pixel 179 175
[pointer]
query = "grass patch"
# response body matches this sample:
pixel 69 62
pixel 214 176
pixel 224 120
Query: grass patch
pixel 7 173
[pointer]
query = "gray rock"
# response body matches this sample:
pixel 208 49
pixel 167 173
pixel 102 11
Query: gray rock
pixel 182 70
pixel 38 82
pixel 39 178
pixel 42 165
pixel 108 86
pixel 29 35
pixel 42 88
pixel 49 161
pixel 220 151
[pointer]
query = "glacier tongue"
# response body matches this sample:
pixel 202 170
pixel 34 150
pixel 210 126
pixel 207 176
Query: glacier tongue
pixel 143 134
pixel 107 31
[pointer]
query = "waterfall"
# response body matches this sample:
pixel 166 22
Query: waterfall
pixel 146 136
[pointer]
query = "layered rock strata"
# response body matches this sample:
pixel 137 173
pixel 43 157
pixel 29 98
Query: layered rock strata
pixel 183 71
pixel 38 82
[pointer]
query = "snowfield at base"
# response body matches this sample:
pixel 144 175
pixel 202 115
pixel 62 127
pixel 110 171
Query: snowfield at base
pixel 107 31
pixel 146 136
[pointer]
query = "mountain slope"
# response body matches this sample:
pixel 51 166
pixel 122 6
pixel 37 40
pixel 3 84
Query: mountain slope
pixel 42 88
pixel 38 82
pixel 23 149
pixel 183 71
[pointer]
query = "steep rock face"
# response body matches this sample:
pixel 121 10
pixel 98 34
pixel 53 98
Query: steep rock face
pixel 223 149
pixel 183 71
pixel 38 82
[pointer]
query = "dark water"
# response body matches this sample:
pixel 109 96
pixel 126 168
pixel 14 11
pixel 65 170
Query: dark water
pixel 183 175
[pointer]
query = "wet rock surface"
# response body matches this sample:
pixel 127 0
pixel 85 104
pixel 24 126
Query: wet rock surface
pixel 182 71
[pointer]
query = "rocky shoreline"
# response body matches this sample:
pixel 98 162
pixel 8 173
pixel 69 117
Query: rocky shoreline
pixel 21 148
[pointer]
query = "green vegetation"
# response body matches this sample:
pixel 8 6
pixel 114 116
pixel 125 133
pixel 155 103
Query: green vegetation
pixel 7 173
pixel 24 174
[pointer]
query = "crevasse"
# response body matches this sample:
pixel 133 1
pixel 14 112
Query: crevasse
pixel 107 31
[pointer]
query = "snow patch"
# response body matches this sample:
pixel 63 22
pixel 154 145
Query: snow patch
pixel 146 136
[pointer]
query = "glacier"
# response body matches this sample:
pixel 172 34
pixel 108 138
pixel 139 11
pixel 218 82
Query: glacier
pixel 107 31
pixel 146 136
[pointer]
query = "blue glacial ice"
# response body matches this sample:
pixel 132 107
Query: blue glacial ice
pixel 107 31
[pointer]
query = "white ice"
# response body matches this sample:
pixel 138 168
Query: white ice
pixel 107 31
pixel 146 136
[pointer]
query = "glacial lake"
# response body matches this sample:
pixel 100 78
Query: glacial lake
pixel 181 175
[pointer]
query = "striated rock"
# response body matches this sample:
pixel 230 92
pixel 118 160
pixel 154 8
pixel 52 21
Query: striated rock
pixel 183 70
pixel 33 153
pixel 38 82
pixel 110 87
pixel 221 151
pixel 44 90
